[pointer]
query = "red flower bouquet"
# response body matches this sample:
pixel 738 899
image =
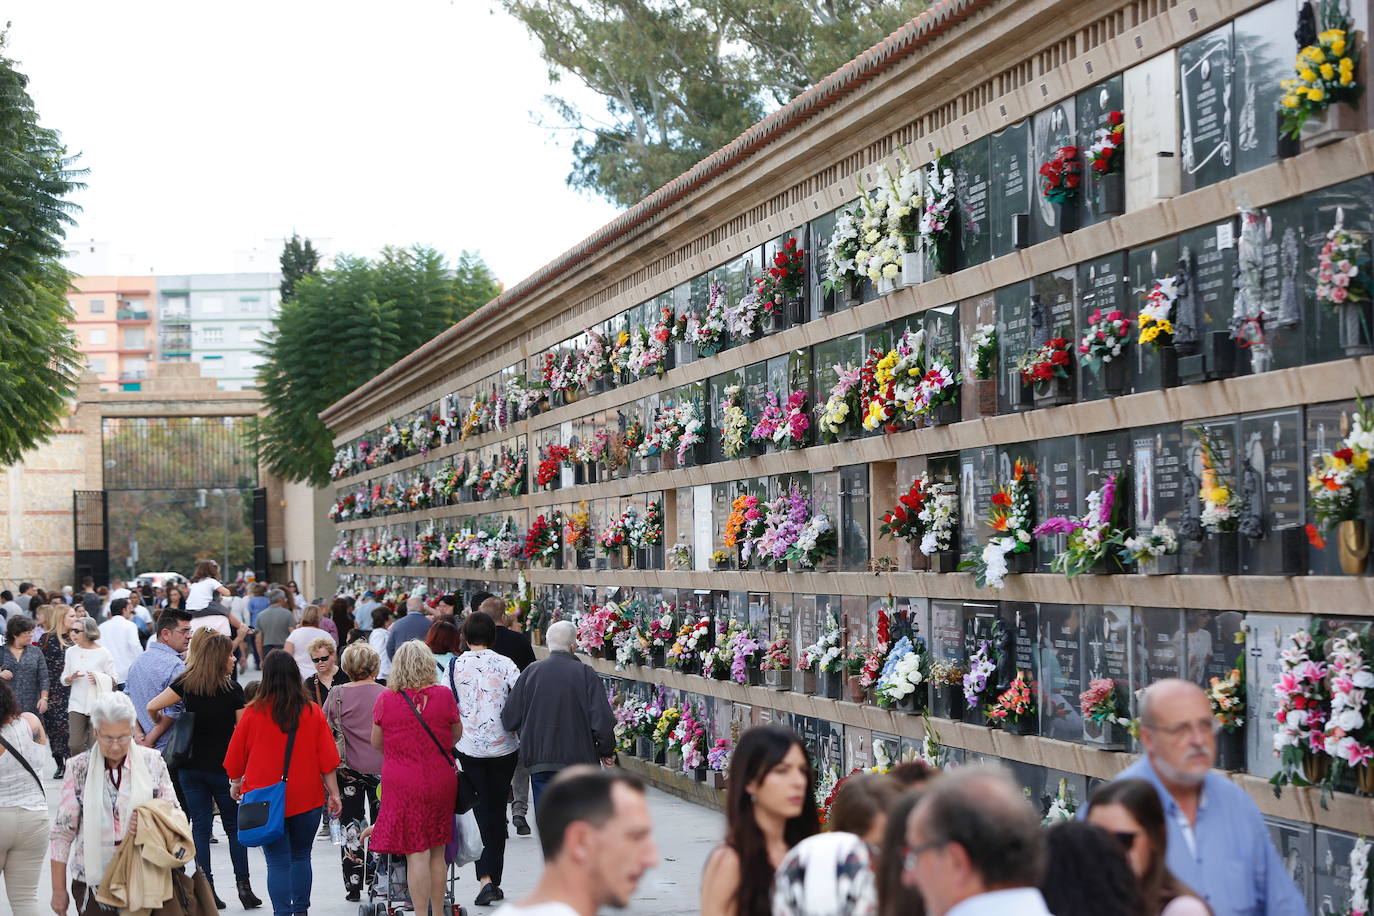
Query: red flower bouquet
pixel 1063 175
pixel 1049 361
pixel 1104 156
pixel 553 459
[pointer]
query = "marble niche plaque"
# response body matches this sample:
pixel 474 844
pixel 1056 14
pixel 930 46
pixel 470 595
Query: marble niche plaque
pixel 1151 92
pixel 1267 306
pixel 1103 454
pixel 972 187
pixel 886 749
pixel 946 644
pixel 1263 57
pixel 1202 328
pixel 983 622
pixel 1331 871
pixel 1265 638
pixel 1051 129
pixel 1158 651
pixel 1157 486
pixel 1016 335
pixel 1204 553
pixel 977 480
pixel 1013 181
pixel 1327 330
pixel 1145 267
pixel 1205 98
pixel 1057 493
pixel 1061 671
pixel 1273 483
pixel 1213 642
pixel 1106 645
pixel 1102 285
pixel 858 749
pixel 1327 424
pixel 1093 106
pixel 1296 845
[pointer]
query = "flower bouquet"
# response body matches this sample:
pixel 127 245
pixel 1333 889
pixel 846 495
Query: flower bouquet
pixel 542 544
pixel 939 223
pixel 1047 368
pixel 980 364
pixel 1103 723
pixel 825 657
pixel 690 738
pixel 1335 491
pixel 1156 318
pixel 841 408
pixel 1324 73
pixel 743 319
pixel 780 287
pixel 657 635
pixel 549 471
pixel 1106 159
pixel 1011 516
pixel 1100 348
pixel 1092 537
pixel 1014 709
pixel 598 629
pixel 664 742
pixel 693 638
pixel 1348 733
pixel 708 332
pixel 1147 550
pixel 925 516
pixel 946 678
pixel 618 538
pixel 744 526
pixel 880 244
pixel 1062 807
pixel 777 664
pixel 1227 698
pixel 734 425
pixel 1063 178
pixel 745 654
pixel 1342 285
pixel 902 680
pixel 718 763
pixel 1304 696
pixel 841 272
pixel 982 666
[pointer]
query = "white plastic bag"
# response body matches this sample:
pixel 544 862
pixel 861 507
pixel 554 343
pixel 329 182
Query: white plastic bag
pixel 469 838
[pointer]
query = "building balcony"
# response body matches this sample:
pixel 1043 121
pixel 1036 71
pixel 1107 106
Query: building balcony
pixel 132 375
pixel 136 350
pixel 132 316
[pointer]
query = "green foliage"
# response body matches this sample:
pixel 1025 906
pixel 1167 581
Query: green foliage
pixel 176 537
pixel 38 364
pixel 298 258
pixel 343 327
pixel 679 79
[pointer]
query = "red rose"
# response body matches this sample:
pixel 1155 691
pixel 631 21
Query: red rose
pixel 1071 180
pixel 1114 118
pixel 1114 315
pixel 1060 358
pixel 1343 454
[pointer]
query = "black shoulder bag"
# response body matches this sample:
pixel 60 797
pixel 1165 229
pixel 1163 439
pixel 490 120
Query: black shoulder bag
pixel 22 762
pixel 465 797
pixel 176 752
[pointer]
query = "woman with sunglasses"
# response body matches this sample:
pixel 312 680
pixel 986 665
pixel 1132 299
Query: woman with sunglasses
pixel 303 637
pixel 1130 810
pixel 324 656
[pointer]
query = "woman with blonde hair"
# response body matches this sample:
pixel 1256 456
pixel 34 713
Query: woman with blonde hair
pixel 349 711
pixel 57 624
pixel 210 693
pixel 415 725
pixel 89 669
pixel 299 642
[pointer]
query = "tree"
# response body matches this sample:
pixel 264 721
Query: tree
pixel 38 362
pixel 298 258
pixel 342 327
pixel 679 79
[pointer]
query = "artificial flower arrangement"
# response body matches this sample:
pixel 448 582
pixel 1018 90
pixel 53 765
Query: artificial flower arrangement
pixel 689 737
pixel 1342 267
pixel 983 351
pixel 620 534
pixel 1105 155
pixel 718 757
pixel 735 428
pixel 815 542
pixel 1358 885
pixel 680 555
pixel 1015 703
pixel 634 436
pixel 778 655
pixel 1062 807
pixel 692 639
pixel 1335 489
pixel 1323 73
pixel 889 383
pixel 981 666
pixel 689 429
pixel 946 673
pixel 1304 696
pixel 744 525
pixel 664 729
pixel 842 249
pixel 554 458
pixel 707 331
pixel 511 472
pixel 842 404
pixel 784 279
pixel 1011 515
pixel 1107 333
pixel 541 540
pixel 1221 504
pixel 743 318
pixel 1227 697
pixel 1092 536
pixel 633 719
pixel 578 526
pixel 1162 541
pixel 595 362
pixel 1063 175
pixel 938 216
pixel 649 533
pixel 783 424
pixel 925 515
pixel 1047 362
pixel 591 449
pixel 1100 703
pixel 620 353
pixel 1348 735
pixel 601 624
pixel 906 205
pixel 823 656
pixel 880 244
pixel 658 633
pixel 662 434
pixel 1156 318
pixel 903 671
pixel 743 650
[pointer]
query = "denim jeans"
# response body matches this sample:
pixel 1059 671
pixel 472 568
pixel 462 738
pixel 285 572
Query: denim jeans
pixel 537 783
pixel 288 864
pixel 204 789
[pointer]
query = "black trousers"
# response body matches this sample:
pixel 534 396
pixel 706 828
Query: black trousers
pixel 490 777
pixel 359 792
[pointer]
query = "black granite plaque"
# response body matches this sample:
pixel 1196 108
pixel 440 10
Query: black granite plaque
pixel 1205 117
pixel 853 519
pixel 1205 556
pixel 1102 285
pixel 1157 483
pixel 806 631
pixel 1061 671
pixel 977 480
pixel 1273 481
pixel 1013 181
pixel 983 622
pixel 1267 311
pixel 1021 619
pixel 946 643
pixel 1106 645
pixel 1146 266
pixel 1296 845
pixel 1331 874
pixel 1263 58
pixel 1093 106
pixel 1052 128
pixel 1159 648
pixel 1207 261
pixel 1350 203
pixel 1015 337
pixel 1103 454
pixel 1057 492
pixel 971 189
pixel 942 334
pixel 1210 641
pixel 1327 425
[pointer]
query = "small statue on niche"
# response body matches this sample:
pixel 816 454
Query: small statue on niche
pixel 1185 306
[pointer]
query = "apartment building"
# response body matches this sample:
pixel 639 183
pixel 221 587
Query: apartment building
pixel 114 319
pixel 217 320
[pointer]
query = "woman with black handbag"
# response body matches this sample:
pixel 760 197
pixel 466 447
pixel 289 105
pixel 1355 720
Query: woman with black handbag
pixel 418 793
pixel 195 752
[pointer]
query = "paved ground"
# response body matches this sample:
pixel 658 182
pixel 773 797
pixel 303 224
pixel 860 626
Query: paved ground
pixel 685 834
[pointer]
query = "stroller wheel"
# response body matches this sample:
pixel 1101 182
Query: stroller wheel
pixel 371 908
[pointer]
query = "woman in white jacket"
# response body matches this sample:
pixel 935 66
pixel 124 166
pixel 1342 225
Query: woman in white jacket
pixel 89 669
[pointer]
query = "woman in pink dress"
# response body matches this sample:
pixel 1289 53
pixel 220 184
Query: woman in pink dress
pixel 418 775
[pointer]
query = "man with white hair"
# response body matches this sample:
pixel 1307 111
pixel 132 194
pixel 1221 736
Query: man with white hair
pixel 561 712
pixel 1218 844
pixel 414 625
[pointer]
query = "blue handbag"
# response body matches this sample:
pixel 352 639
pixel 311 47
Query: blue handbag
pixel 262 812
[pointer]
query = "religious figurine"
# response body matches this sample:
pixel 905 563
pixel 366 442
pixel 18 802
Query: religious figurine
pixel 1251 523
pixel 1190 524
pixel 1185 306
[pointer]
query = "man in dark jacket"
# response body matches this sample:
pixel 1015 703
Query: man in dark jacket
pixel 560 709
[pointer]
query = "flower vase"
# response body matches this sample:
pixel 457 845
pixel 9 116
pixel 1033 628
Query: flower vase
pixel 613 560
pixel 1231 749
pixel 627 558
pixel 668 460
pixel 1115 376
pixel 622 472
pixel 778 678
pixel 1019 393
pixel 944 414
pixel 1223 550
pixel 644 747
pixel 1068 217
pixel 1111 194
pixel 684 353
pixel 600 385
pixel 1108 564
pixel 950 701
pixel 1354 329
pixel 853 292
pixel 583 559
pixel 650 464
pixel 1336 122
pixel 557 398
pixel 1019 563
pixel 794 307
pixel 1352 542
pixel 673 760
pixel 886 286
pixel 753 676
pixel 1316 768
pixel 910 704
pixel 1364 779
pixel 913 268
pixel 698 773
pixel 972 715
pixel 721 564
pixel 855 691
pixel 656 656
pixel 715 779
pixel 1107 736
pixel 668 362
pixel 806 683
pixel 1054 392
pixel 536 637
pixel 580 474
pixel 660 755
pixel 1160 566
pixel 944 561
pixel 1021 725
pixel 828 684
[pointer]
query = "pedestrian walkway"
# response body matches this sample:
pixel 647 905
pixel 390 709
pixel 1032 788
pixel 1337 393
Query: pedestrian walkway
pixel 685 833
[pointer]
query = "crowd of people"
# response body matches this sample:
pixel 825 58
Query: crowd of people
pixel 366 716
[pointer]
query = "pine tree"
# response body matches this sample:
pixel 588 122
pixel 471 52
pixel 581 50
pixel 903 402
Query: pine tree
pixel 38 363
pixel 298 258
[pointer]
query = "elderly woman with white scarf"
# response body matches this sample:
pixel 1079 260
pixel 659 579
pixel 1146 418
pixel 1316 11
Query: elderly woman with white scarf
pixel 102 788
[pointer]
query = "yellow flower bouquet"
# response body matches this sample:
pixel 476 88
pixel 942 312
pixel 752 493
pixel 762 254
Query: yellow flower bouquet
pixel 1324 72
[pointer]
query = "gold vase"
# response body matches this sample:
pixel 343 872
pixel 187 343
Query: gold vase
pixel 1352 539
pixel 1364 779
pixel 1315 768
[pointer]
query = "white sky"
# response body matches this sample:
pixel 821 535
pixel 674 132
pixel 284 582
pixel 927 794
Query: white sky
pixel 211 128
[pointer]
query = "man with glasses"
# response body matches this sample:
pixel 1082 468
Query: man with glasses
pixel 975 847
pixel 1218 844
pixel 159 665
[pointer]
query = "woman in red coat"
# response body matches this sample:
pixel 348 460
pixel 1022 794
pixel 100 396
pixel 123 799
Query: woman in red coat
pixel 255 758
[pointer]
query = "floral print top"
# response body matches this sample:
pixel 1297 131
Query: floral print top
pixel 66 827
pixel 481 680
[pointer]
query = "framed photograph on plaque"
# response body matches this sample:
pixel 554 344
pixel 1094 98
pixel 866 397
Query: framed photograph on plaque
pixel 1296 845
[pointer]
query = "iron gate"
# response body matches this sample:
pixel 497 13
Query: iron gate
pixel 92 543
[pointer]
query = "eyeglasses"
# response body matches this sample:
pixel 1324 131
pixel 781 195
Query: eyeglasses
pixel 322 659
pixel 115 739
pixel 910 853
pixel 1125 837
pixel 1210 725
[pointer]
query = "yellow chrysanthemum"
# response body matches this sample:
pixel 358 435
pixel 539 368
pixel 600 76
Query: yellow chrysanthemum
pixel 1316 94
pixel 1150 333
pixel 1307 75
pixel 1327 71
pixel 1289 101
pixel 1218 495
pixel 1166 326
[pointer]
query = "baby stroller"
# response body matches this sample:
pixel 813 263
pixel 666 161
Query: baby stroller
pixel 388 894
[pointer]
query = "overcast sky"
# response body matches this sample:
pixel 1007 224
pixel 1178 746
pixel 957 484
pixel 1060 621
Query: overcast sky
pixel 210 128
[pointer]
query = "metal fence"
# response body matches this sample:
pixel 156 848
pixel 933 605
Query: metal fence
pixel 158 453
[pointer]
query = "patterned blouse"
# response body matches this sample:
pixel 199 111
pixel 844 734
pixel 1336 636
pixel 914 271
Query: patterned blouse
pixel 66 828
pixel 481 680
pixel 30 680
